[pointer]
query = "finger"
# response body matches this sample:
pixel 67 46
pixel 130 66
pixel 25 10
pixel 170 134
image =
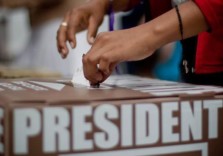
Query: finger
pixel 62 38
pixel 72 28
pixel 61 42
pixel 99 47
pixel 96 51
pixel 107 69
pixel 91 71
pixel 92 30
pixel 104 64
pixel 112 67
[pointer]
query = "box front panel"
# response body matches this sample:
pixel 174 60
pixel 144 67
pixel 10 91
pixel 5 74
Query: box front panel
pixel 132 128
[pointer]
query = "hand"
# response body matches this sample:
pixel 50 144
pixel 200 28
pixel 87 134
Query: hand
pixel 88 16
pixel 111 48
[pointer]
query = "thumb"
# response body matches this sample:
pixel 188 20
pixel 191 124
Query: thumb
pixel 92 30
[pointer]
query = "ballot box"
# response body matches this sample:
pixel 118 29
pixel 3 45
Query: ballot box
pixel 126 116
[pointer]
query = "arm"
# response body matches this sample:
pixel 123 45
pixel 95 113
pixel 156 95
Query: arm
pixel 140 42
pixel 165 28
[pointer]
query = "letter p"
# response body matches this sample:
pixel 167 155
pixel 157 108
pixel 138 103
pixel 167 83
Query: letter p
pixel 26 124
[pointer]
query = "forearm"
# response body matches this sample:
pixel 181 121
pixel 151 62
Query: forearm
pixel 165 28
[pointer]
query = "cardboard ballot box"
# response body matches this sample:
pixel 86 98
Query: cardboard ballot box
pixel 126 116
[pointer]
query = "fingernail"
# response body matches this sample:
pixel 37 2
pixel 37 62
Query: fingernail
pixel 63 51
pixel 92 40
pixel 72 45
pixel 61 55
pixel 64 56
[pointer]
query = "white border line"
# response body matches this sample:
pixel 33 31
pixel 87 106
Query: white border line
pixel 203 147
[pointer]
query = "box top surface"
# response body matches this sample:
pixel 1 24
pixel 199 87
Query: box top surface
pixel 123 87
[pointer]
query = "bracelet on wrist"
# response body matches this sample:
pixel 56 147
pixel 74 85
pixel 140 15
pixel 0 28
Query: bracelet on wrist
pixel 180 22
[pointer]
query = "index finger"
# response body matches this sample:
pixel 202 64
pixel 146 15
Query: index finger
pixel 91 71
pixel 62 37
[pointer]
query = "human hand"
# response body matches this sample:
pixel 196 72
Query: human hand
pixel 111 48
pixel 88 16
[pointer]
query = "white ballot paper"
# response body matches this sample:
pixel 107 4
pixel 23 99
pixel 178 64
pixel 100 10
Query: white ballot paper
pixel 81 48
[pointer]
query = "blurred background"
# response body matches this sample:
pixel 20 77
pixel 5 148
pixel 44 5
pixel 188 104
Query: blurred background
pixel 28 42
pixel 28 37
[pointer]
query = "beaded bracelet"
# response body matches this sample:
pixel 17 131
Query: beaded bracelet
pixel 180 22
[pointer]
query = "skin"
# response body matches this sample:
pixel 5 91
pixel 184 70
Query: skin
pixel 110 48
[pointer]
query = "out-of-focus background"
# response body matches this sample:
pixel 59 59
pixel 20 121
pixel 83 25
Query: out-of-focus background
pixel 28 38
pixel 28 42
